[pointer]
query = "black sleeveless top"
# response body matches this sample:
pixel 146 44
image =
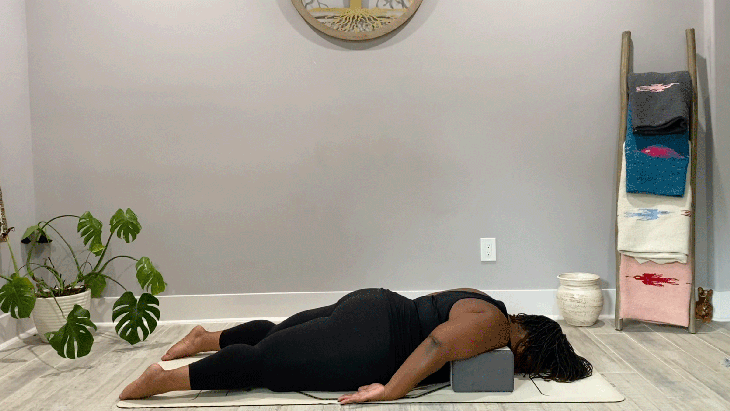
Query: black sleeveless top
pixel 434 310
pixel 411 321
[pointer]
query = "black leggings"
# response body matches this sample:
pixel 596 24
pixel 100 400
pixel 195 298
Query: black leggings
pixel 340 347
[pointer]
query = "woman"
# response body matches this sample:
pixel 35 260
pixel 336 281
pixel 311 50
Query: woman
pixel 373 340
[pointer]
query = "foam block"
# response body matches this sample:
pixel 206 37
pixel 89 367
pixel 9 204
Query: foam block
pixel 492 371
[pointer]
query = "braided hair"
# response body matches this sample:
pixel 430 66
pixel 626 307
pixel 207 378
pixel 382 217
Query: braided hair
pixel 545 351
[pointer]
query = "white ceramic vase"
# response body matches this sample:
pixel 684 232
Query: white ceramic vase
pixel 47 317
pixel 580 298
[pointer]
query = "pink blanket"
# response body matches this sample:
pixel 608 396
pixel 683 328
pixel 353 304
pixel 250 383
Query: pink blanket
pixel 655 292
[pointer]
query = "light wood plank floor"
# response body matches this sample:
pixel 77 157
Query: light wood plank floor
pixel 656 367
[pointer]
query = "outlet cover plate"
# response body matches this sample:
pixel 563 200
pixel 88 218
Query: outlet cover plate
pixel 489 249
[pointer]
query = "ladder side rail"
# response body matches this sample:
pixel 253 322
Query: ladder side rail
pixel 692 68
pixel 624 108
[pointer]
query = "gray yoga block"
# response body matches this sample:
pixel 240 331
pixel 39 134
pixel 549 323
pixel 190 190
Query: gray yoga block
pixel 492 371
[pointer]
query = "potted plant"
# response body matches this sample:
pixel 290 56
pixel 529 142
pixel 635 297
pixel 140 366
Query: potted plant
pixel 21 293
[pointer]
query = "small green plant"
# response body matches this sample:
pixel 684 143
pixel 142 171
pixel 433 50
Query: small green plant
pixel 74 339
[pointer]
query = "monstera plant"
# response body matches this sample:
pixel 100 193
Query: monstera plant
pixel 74 339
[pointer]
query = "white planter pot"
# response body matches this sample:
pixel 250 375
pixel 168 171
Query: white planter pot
pixel 47 317
pixel 580 298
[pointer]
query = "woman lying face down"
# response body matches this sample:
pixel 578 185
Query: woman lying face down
pixel 346 347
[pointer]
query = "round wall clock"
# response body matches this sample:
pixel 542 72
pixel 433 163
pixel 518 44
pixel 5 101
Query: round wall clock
pixel 356 19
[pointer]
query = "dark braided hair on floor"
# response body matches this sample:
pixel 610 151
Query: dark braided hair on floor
pixel 546 353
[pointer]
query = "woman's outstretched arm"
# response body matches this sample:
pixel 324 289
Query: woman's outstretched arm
pixel 425 360
pixel 464 335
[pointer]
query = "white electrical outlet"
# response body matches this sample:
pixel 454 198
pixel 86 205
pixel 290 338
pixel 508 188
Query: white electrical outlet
pixel 489 249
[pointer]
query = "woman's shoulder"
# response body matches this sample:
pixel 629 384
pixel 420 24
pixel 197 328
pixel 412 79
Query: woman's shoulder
pixel 460 289
pixel 499 323
pixel 474 304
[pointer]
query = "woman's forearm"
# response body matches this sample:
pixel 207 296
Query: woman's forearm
pixel 423 361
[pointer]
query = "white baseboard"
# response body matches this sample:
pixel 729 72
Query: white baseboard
pixel 278 306
pixel 236 306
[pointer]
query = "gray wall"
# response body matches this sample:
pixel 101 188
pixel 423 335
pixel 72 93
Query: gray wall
pixel 16 157
pixel 718 153
pixel 261 156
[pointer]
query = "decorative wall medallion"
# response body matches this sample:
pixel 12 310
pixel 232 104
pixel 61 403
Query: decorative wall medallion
pixel 356 19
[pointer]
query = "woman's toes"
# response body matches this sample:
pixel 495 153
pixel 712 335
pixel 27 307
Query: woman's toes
pixel 149 383
pixel 187 346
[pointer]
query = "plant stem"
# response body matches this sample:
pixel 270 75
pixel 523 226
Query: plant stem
pixel 104 275
pixel 57 274
pixel 27 262
pixel 34 243
pixel 57 304
pixel 110 260
pixel 103 253
pixel 87 259
pixel 81 277
pixel 54 272
pixel 120 284
pixel 12 256
pixel 67 244
pixel 53 295
pixel 42 283
pixel 30 273
pixel 30 252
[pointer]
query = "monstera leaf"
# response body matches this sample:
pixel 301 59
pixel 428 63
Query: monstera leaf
pixel 96 283
pixel 133 315
pixel 148 276
pixel 90 230
pixel 17 297
pixel 31 230
pixel 73 339
pixel 125 224
pixel 42 236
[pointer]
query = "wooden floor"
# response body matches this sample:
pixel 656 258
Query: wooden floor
pixel 656 367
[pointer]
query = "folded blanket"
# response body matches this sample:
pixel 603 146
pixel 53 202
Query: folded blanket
pixel 658 293
pixel 662 102
pixel 653 227
pixel 656 164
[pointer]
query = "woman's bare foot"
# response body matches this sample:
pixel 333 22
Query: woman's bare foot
pixel 151 382
pixel 190 345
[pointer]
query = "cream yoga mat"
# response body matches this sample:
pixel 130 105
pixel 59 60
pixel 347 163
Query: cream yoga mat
pixel 592 389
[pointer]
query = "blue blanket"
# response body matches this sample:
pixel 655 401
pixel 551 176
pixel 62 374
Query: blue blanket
pixel 656 164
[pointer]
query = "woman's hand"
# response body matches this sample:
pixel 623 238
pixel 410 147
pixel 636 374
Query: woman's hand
pixel 372 392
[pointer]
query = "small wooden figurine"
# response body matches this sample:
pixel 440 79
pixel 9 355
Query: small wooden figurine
pixel 703 306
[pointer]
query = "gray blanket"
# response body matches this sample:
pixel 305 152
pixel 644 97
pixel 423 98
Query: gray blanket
pixel 661 102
